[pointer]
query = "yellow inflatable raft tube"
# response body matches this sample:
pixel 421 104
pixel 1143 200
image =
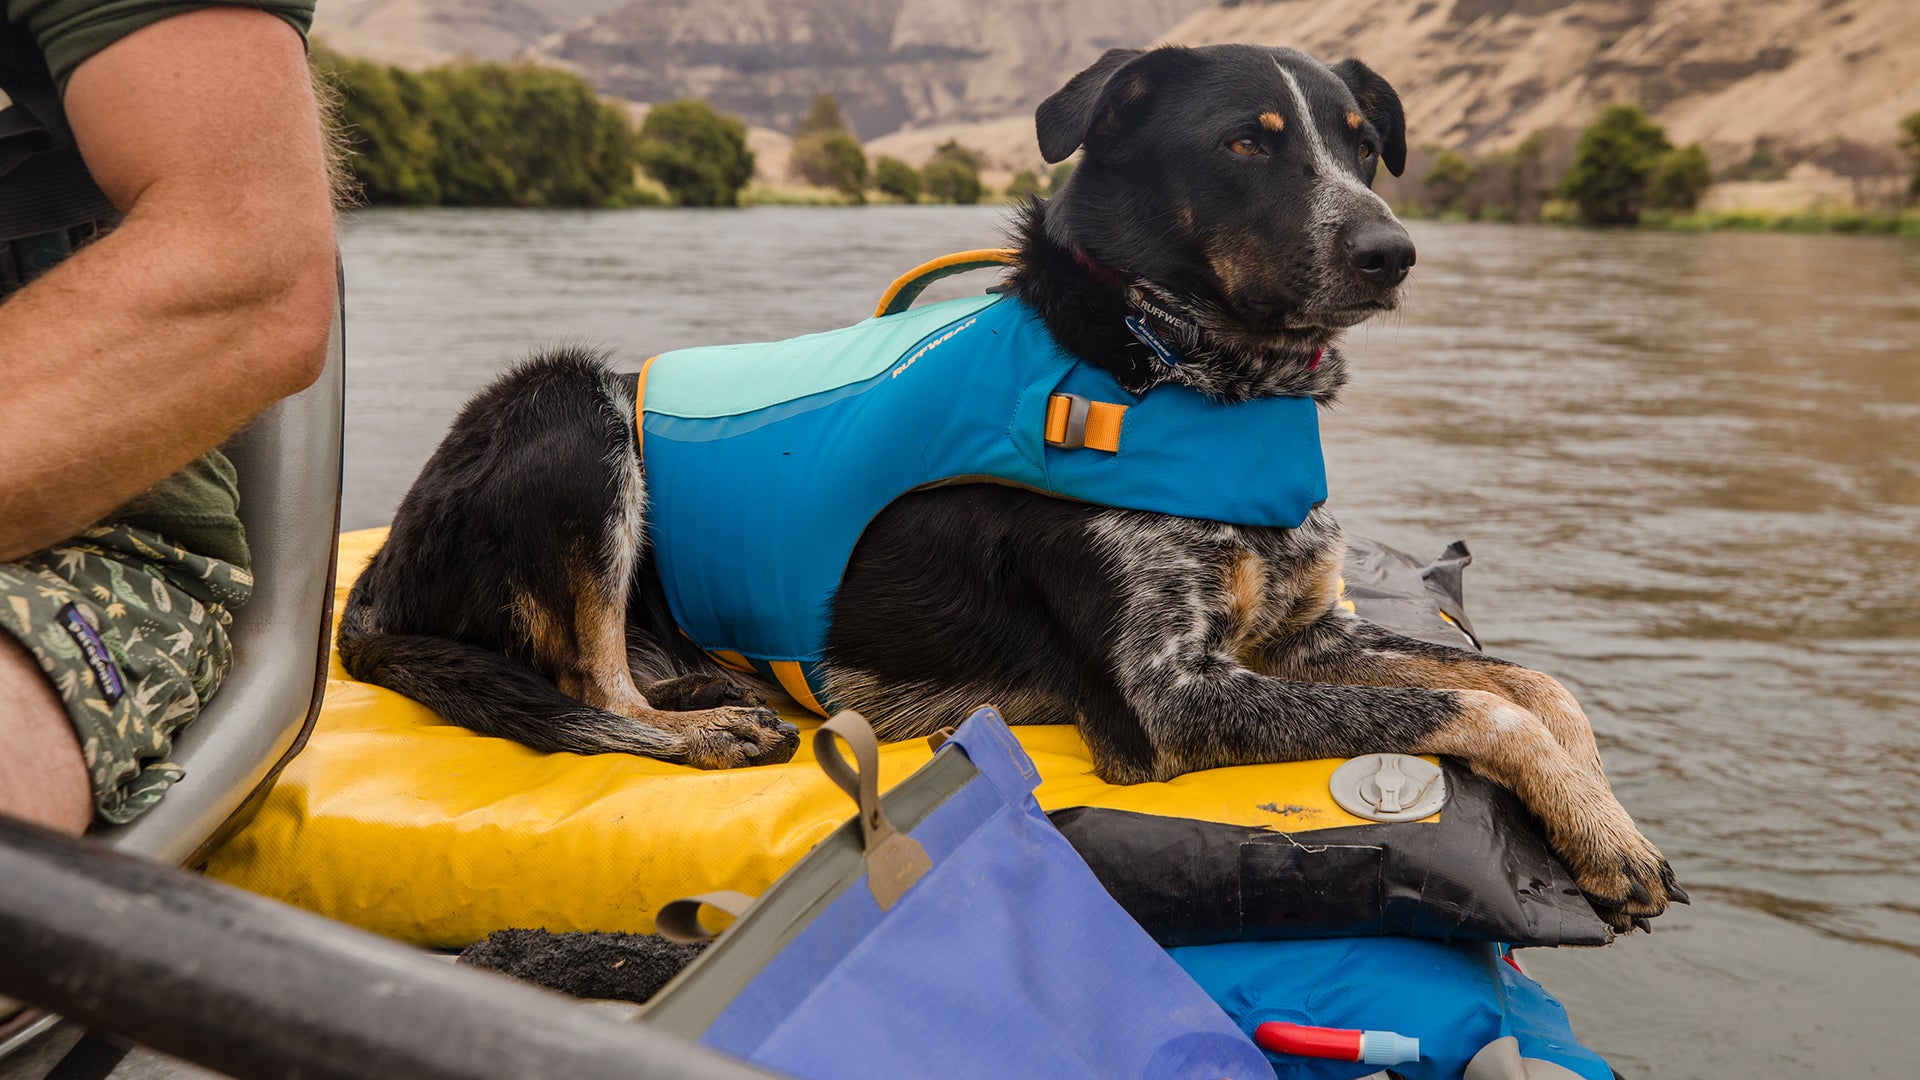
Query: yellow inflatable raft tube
pixel 395 821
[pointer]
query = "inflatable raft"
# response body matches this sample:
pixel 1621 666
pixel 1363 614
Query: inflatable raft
pixel 1379 894
pixel 1256 878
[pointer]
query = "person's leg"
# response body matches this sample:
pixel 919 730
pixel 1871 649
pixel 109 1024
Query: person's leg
pixel 43 777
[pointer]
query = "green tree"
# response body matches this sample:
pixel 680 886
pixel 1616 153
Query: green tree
pixel 834 161
pixel 951 150
pixel 953 174
pixel 1057 179
pixel 530 136
pixel 389 141
pixel 1910 143
pixel 481 135
pixel 1613 165
pixel 1679 179
pixel 823 118
pixel 1519 180
pixel 1024 185
pixel 896 178
pixel 1448 183
pixel 698 154
pixel 826 154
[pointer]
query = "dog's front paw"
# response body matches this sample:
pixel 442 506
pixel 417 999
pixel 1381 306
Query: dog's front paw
pixel 744 735
pixel 1625 878
pixel 698 693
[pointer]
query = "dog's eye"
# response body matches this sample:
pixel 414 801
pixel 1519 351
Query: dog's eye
pixel 1366 151
pixel 1244 147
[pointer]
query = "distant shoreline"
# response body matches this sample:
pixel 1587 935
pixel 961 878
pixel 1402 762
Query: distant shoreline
pixel 1905 224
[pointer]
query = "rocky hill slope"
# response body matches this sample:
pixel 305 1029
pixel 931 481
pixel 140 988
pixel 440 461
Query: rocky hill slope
pixel 1476 74
pixel 892 63
pixel 1483 74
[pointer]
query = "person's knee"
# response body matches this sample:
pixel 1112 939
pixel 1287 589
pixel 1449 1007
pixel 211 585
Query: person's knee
pixel 43 774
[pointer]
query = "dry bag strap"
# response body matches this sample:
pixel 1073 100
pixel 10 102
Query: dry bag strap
pixel 908 286
pixel 894 860
pixel 680 920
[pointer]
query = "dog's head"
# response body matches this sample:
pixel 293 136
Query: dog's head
pixel 1238 178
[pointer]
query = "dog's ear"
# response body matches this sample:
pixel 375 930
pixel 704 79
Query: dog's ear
pixel 1103 95
pixel 1381 106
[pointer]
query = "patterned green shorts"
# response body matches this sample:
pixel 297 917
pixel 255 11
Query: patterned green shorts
pixel 132 632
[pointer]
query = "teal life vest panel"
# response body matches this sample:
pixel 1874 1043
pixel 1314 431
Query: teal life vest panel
pixel 766 462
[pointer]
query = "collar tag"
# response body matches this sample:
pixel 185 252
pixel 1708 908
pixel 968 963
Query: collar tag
pixel 1152 341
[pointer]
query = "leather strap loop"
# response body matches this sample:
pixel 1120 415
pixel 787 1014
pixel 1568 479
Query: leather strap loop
pixel 680 920
pixel 894 860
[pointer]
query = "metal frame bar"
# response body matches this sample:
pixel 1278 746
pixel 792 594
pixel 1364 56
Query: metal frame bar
pixel 255 989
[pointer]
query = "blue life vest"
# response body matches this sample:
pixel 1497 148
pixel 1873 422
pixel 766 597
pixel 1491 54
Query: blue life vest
pixel 766 462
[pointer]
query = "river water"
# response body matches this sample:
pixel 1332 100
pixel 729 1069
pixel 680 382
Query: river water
pixel 1688 467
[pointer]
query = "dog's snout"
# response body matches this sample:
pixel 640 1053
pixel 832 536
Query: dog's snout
pixel 1380 251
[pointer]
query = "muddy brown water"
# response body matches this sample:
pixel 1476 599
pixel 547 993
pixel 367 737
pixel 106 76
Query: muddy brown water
pixel 1688 467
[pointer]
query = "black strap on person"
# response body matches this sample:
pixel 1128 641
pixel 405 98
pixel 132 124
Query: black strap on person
pixel 49 204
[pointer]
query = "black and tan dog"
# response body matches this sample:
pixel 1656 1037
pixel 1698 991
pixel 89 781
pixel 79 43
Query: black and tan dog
pixel 516 594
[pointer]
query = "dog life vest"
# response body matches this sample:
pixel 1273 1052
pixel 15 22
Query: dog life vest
pixel 766 462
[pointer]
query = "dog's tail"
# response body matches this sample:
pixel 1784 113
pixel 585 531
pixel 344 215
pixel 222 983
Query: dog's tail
pixel 487 692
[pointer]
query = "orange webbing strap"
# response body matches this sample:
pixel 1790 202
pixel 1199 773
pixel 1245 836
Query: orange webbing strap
pixel 794 681
pixel 908 286
pixel 640 400
pixel 1074 422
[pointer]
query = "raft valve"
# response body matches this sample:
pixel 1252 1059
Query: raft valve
pixel 1340 1044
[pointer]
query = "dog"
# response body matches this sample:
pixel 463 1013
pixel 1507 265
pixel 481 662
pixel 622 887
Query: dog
pixel 1218 235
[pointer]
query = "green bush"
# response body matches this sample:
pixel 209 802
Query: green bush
pixel 1910 142
pixel 1024 185
pixel 1448 183
pixel 1613 165
pixel 953 175
pixel 823 118
pixel 481 135
pixel 1057 179
pixel 896 178
pixel 1680 178
pixel 833 161
pixel 951 182
pixel 698 154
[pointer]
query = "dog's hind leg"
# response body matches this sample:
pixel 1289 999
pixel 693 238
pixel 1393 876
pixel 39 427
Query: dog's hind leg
pixel 500 599
pixel 593 664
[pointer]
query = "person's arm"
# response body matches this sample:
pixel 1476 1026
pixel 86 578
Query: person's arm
pixel 211 300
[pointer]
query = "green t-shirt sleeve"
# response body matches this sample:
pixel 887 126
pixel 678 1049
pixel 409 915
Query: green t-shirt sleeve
pixel 70 31
pixel 196 508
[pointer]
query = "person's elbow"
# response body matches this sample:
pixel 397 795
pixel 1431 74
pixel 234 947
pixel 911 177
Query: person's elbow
pixel 306 319
pixel 293 318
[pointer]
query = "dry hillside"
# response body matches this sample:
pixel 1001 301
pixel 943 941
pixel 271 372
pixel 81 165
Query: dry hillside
pixel 1483 74
pixel 1476 74
pixel 423 32
pixel 892 63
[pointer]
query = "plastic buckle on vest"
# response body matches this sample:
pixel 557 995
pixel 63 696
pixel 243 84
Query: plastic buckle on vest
pixel 1076 433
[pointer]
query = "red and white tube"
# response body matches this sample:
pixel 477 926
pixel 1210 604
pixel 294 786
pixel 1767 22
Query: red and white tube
pixel 1337 1044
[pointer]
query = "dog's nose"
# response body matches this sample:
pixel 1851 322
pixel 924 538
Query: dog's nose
pixel 1381 251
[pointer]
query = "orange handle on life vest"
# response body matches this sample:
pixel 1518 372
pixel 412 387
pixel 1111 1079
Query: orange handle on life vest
pixel 908 286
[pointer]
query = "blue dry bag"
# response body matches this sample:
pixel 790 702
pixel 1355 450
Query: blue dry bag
pixel 971 940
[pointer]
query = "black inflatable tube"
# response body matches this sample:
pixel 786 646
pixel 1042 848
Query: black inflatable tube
pixel 256 989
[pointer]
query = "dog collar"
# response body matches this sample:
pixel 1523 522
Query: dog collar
pixel 1154 319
